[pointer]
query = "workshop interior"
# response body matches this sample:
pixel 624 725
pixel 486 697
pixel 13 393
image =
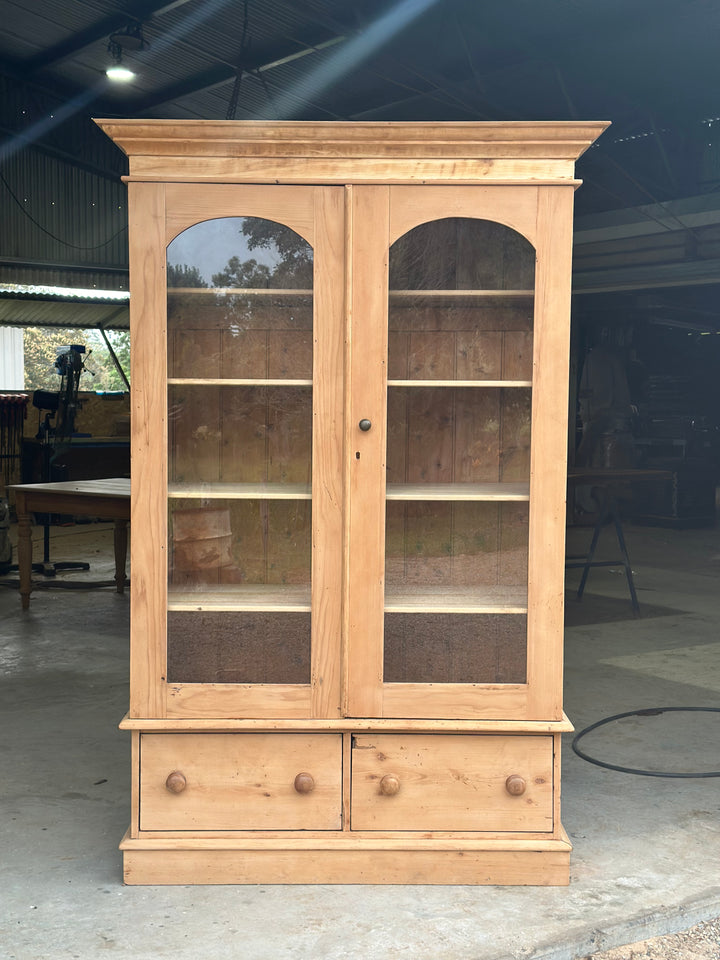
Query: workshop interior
pixel 366 358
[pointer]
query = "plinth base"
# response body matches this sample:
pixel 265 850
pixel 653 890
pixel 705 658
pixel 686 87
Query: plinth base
pixel 351 860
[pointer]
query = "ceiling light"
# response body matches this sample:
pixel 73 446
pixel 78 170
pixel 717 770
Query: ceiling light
pixel 117 72
pixel 131 38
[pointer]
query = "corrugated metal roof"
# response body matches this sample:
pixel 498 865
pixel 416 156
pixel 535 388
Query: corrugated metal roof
pixel 33 312
pixel 55 213
pixel 64 206
pixel 415 59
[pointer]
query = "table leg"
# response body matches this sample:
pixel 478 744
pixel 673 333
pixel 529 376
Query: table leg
pixel 120 541
pixel 590 558
pixel 24 554
pixel 626 563
pixel 607 511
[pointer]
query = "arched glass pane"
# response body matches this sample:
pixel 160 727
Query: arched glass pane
pixel 460 345
pixel 240 367
pixel 462 253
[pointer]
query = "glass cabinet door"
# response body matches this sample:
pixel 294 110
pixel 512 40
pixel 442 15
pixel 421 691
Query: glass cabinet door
pixel 244 355
pixel 450 532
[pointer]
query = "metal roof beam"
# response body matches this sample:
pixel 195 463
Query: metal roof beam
pixel 35 264
pixel 224 73
pixel 140 11
pixel 643 277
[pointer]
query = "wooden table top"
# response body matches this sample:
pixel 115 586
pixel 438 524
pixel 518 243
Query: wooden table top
pixel 112 487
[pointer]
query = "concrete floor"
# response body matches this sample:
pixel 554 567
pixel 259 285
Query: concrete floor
pixel 646 852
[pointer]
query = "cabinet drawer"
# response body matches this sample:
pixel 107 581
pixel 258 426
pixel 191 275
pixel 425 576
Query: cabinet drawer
pixel 452 782
pixel 239 781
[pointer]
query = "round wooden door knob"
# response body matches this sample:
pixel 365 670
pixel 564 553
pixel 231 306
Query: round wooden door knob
pixel 304 783
pixel 176 782
pixel 515 785
pixel 389 785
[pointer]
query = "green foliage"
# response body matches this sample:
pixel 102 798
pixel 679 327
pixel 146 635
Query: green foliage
pixel 294 269
pixel 41 346
pixel 184 276
pixel 243 273
pixel 295 253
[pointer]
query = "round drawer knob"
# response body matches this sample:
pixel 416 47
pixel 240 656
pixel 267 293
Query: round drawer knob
pixel 365 425
pixel 515 785
pixel 176 782
pixel 389 785
pixel 304 783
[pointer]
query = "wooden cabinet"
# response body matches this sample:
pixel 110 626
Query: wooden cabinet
pixel 349 396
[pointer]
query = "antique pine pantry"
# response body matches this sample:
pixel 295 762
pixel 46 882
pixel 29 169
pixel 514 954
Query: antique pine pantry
pixel 350 351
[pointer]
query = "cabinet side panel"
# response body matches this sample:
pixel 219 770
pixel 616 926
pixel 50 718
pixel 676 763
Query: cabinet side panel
pixel 135 788
pixel 559 831
pixel 148 446
pixel 549 453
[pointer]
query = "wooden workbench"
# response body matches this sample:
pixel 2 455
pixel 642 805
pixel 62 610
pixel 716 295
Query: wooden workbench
pixel 85 498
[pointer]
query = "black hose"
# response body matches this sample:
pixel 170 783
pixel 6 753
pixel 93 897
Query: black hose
pixel 649 712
